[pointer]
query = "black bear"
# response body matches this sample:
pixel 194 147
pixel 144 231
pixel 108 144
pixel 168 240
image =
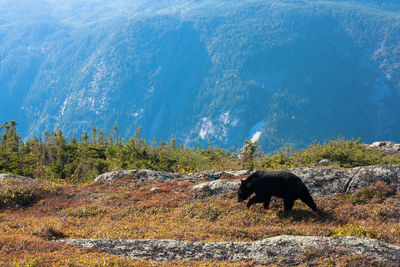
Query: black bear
pixel 281 184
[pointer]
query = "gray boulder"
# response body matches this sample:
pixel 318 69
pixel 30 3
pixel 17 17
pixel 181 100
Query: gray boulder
pixel 208 174
pixel 165 176
pixel 216 187
pixel 5 176
pixel 322 182
pixel 269 250
pixel 160 176
pixel 388 147
pixel 239 173
pixel 324 163
pixel 364 176
pixel 140 175
pixel 114 175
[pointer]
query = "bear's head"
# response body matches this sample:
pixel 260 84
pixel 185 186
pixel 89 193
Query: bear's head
pixel 244 191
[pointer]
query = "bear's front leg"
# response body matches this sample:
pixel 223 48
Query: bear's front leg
pixel 253 200
pixel 266 202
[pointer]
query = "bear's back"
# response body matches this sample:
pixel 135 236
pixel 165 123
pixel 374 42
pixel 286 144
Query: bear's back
pixel 278 183
pixel 276 175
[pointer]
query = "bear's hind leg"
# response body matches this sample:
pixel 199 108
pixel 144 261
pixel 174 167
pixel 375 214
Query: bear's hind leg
pixel 288 203
pixel 308 200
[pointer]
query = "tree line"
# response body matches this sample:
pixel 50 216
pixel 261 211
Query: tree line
pixel 54 157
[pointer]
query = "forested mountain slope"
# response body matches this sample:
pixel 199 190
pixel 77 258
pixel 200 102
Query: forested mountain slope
pixel 208 72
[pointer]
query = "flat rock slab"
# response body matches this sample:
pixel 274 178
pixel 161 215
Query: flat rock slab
pixel 269 250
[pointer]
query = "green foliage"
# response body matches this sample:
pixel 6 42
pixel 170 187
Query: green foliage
pixel 55 158
pixel 347 153
pixel 344 153
pixel 9 147
pixel 248 154
pixel 280 160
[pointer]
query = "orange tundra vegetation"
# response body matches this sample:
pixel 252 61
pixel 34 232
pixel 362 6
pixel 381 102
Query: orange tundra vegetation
pixel 131 210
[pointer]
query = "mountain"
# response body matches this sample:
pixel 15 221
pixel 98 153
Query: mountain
pixel 203 72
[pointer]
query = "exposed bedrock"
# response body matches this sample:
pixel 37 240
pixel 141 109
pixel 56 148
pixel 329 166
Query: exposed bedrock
pixel 269 250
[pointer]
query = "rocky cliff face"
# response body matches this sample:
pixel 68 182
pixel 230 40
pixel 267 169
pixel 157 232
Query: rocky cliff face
pixel 281 72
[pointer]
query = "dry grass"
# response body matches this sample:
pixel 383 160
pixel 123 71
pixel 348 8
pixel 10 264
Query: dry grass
pixel 131 210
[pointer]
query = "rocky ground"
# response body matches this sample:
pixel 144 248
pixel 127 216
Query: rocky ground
pixel 320 181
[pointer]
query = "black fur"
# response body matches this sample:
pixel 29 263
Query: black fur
pixel 281 184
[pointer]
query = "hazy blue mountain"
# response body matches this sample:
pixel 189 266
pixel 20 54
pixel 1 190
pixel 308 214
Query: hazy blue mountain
pixel 210 72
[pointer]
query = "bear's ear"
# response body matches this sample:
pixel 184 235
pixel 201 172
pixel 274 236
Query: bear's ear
pixel 242 182
pixel 248 185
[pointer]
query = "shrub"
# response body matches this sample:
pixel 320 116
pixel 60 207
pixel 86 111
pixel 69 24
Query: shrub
pixel 378 192
pixel 183 169
pixel 354 230
pixel 204 212
pixel 363 196
pixel 50 233
pixel 280 160
pixel 82 212
pixel 22 192
pixel 344 153
pixel 37 261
